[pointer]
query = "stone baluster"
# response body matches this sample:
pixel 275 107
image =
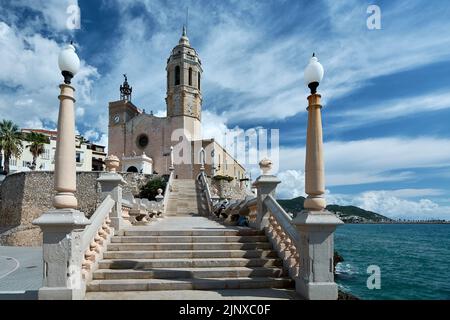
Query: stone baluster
pixel 111 184
pixel 265 185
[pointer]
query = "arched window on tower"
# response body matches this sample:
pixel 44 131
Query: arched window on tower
pixel 168 80
pixel 199 79
pixel 190 76
pixel 177 75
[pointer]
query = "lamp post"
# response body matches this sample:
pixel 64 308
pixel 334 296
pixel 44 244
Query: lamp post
pixel 61 226
pixel 315 224
pixel 65 165
pixel 314 168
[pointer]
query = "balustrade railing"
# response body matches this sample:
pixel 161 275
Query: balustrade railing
pixel 167 192
pixel 283 235
pixel 207 191
pixel 95 237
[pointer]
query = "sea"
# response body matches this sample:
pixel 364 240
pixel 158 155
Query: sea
pixel 394 261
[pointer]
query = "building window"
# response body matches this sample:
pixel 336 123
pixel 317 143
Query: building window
pixel 199 79
pixel 79 157
pixel 142 141
pixel 168 80
pixel 190 76
pixel 13 162
pixel 46 154
pixel 177 75
pixel 25 164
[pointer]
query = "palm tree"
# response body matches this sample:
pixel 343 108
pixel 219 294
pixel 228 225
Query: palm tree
pixel 37 145
pixel 10 141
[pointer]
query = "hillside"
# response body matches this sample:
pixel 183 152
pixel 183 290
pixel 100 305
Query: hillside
pixel 346 213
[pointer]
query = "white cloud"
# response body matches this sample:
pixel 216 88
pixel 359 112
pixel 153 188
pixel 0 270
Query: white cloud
pixel 292 184
pixel 213 126
pixel 388 204
pixel 54 14
pixel 30 78
pixel 373 160
pixel 386 110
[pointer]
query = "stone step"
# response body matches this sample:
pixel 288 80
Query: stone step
pixel 206 232
pixel 189 246
pixel 188 263
pixel 187 239
pixel 200 295
pixel 186 254
pixel 188 284
pixel 188 273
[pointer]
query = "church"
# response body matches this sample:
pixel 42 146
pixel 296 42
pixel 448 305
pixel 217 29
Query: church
pixel 143 142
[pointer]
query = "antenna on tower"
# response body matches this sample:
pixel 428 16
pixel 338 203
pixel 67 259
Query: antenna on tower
pixel 187 18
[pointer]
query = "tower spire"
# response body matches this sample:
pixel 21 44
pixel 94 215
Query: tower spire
pixel 125 90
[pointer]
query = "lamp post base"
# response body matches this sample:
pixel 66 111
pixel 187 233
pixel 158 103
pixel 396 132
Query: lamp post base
pixel 64 200
pixel 316 249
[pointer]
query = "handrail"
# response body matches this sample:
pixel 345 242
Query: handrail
pixel 167 192
pixel 283 235
pixel 97 220
pixel 282 217
pixel 207 191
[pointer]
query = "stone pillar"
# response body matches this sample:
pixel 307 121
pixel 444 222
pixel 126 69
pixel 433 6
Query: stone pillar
pixel 202 160
pixel 316 249
pixel 265 184
pixel 61 227
pixel 111 184
pixel 314 167
pixel 315 225
pixel 65 161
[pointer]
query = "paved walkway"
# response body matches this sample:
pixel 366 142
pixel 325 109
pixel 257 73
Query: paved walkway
pixel 20 272
pixel 184 223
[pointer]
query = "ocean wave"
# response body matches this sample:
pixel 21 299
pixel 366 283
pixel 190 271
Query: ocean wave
pixel 346 269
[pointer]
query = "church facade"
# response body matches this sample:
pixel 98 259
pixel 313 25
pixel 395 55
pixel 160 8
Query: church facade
pixel 143 141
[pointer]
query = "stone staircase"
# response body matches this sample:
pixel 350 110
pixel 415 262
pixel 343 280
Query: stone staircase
pixel 185 198
pixel 150 260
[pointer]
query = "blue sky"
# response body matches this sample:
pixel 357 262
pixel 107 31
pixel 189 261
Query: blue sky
pixel 386 92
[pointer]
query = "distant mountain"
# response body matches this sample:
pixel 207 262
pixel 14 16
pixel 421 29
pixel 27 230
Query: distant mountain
pixel 346 213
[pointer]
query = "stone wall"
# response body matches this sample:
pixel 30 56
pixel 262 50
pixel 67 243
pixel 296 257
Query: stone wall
pixel 135 181
pixel 25 196
pixel 229 190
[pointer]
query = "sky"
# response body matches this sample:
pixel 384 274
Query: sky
pixel 386 92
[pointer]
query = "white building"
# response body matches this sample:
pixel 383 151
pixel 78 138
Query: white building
pixel 89 156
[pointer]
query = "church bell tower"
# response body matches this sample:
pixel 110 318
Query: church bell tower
pixel 184 98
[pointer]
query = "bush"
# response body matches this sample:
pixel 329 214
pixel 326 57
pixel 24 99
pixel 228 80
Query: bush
pixel 226 178
pixel 149 191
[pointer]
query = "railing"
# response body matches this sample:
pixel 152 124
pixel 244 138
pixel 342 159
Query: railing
pixel 283 235
pixel 95 236
pixel 207 191
pixel 167 192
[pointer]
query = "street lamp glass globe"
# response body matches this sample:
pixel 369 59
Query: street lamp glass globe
pixel 68 60
pixel 314 71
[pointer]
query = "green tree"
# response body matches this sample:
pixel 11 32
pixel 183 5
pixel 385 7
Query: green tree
pixel 10 141
pixel 149 191
pixel 37 146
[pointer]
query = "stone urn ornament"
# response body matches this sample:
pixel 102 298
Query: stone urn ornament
pixel 266 166
pixel 112 163
pixel 159 197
